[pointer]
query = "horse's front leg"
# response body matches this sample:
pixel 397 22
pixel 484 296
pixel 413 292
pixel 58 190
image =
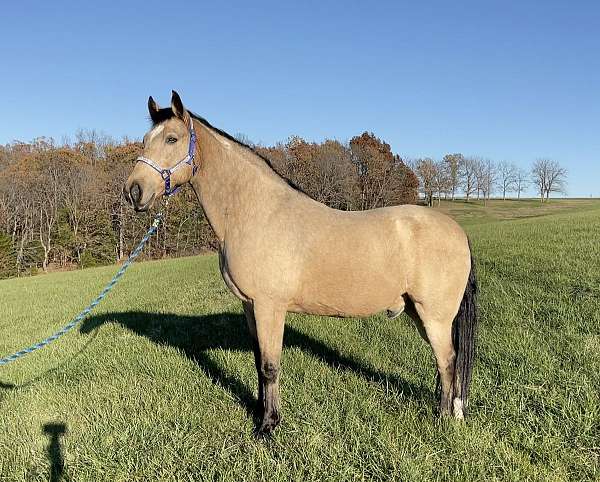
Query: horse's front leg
pixel 270 320
pixel 249 312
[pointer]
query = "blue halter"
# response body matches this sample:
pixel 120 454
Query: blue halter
pixel 166 173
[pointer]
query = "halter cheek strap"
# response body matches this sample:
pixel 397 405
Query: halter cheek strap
pixel 166 173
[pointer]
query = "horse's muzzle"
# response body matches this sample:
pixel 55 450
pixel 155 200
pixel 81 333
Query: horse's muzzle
pixel 133 194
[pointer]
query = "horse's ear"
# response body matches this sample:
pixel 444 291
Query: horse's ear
pixel 177 106
pixel 153 109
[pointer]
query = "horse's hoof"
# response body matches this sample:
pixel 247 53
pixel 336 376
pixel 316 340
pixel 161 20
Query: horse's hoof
pixel 268 425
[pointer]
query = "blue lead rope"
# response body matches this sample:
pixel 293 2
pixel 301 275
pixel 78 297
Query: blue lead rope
pixel 79 318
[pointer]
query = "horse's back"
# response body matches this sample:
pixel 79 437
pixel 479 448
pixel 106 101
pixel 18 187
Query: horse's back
pixel 405 230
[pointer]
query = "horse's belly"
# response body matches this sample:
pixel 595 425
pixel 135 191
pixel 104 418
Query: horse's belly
pixel 346 309
pixel 355 294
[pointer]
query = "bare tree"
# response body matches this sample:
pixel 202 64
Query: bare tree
pixel 244 139
pixel 467 176
pixel 479 172
pixel 92 144
pixel 426 171
pixel 507 177
pixel 521 181
pixel 49 197
pixel 539 176
pixel 453 164
pixel 489 177
pixel 548 176
pixel 442 180
pixel 557 179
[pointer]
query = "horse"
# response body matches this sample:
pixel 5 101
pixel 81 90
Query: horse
pixel 281 251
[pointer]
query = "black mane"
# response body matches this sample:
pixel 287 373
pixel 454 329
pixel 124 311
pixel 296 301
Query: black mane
pixel 167 113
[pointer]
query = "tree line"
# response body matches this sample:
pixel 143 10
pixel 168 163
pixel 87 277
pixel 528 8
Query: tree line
pixel 61 205
pixel 475 177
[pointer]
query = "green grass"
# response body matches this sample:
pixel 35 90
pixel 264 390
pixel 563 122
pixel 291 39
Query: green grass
pixel 160 383
pixel 476 212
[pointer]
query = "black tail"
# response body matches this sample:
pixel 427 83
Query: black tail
pixel 463 338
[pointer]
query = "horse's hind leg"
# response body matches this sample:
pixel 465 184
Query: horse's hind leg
pixel 411 311
pixel 270 320
pixel 439 335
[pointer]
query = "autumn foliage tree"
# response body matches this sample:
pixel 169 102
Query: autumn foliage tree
pixel 361 175
pixel 383 178
pixel 8 257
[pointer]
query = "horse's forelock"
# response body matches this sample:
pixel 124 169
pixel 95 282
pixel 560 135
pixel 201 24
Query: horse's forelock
pixel 162 115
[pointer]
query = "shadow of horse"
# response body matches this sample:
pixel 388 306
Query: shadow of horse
pixel 195 335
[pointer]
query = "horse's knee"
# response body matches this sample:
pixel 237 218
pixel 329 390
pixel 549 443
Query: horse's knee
pixel 270 371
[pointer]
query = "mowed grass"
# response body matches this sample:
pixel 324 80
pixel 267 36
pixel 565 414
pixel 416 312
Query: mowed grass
pixel 160 383
pixel 478 212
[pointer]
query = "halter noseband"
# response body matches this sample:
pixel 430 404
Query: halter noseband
pixel 166 173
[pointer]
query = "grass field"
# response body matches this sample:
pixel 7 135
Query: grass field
pixel 160 384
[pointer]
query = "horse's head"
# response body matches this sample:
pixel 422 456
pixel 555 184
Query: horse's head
pixel 167 160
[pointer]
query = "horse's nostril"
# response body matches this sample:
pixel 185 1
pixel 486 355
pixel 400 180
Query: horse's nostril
pixel 135 192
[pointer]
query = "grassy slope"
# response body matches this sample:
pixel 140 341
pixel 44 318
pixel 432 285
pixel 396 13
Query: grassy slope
pixel 160 383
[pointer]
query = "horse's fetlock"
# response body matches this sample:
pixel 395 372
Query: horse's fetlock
pixel 458 409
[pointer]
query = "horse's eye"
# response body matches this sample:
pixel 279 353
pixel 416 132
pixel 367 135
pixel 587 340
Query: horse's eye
pixel 171 140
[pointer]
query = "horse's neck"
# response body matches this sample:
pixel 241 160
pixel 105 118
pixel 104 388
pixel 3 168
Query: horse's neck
pixel 235 187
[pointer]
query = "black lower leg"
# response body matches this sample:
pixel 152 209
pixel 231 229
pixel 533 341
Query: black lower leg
pixel 444 389
pixel 271 416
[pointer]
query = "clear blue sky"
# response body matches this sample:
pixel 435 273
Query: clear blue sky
pixel 505 80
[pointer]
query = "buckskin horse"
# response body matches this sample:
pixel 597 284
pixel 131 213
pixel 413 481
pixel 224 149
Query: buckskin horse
pixel 280 251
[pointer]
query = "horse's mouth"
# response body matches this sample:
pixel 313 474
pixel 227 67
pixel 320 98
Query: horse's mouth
pixel 144 207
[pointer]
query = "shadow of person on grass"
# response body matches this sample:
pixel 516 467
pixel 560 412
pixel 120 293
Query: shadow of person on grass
pixel 194 335
pixel 55 431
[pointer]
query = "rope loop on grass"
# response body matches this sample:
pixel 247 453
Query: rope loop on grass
pixel 87 310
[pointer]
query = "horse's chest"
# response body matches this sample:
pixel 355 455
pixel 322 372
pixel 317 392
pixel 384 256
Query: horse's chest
pixel 229 278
